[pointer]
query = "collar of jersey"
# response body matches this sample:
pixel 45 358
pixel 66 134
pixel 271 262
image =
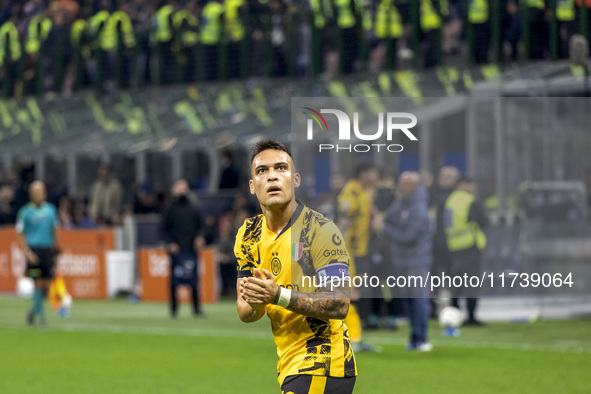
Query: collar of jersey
pixel 294 217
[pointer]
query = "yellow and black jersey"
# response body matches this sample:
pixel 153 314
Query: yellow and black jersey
pixel 309 248
pixel 355 203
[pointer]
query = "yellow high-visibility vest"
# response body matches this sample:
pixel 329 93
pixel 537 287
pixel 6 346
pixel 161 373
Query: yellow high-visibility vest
pixel 97 25
pixel 345 15
pixel 79 27
pixel 14 45
pixel 565 10
pixel 233 24
pixel 460 233
pixel 322 9
pixel 163 32
pixel 535 4
pixel 38 31
pixel 189 37
pixel 388 22
pixel 109 36
pixel 430 20
pixel 211 32
pixel 478 11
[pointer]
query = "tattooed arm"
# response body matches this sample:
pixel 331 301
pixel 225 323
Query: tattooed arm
pixel 322 304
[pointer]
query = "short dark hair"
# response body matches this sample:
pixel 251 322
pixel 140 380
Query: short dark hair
pixel 364 167
pixel 269 144
pixel 465 179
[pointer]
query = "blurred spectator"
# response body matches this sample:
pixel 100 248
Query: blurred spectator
pixel 465 220
pixel 434 15
pixel 383 302
pixel 278 37
pixel 243 202
pixel 230 177
pixel 329 202
pixel 210 230
pixel 438 194
pixel 513 26
pixel 407 225
pixel 7 215
pixel 182 228
pixel 227 260
pixel 81 219
pixel 452 32
pixel 106 198
pixel 355 208
pixel 211 36
pixel 146 201
pixel 65 213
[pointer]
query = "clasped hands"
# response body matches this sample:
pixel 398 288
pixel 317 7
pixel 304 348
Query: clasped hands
pixel 260 289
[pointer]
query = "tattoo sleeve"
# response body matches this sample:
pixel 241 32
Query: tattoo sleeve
pixel 322 304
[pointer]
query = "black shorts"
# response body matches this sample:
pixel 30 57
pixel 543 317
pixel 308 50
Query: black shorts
pixel 304 384
pixel 44 269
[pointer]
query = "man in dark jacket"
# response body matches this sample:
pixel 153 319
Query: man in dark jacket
pixel 407 224
pixel 181 229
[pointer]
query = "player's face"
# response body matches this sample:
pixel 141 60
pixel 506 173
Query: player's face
pixel 272 177
pixel 37 193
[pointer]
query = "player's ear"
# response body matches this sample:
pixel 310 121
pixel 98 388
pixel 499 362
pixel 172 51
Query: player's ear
pixel 251 186
pixel 297 180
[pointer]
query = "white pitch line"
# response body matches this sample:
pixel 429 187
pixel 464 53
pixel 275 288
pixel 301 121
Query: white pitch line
pixel 560 346
pixel 458 342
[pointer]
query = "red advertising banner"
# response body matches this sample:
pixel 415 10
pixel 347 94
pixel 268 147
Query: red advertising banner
pixel 154 275
pixel 12 260
pixel 81 262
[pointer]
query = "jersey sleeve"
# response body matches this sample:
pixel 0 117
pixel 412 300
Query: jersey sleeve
pixel 329 252
pixel 56 220
pixel 243 255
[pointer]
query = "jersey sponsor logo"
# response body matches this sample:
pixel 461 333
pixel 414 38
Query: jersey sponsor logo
pixel 335 252
pixel 336 240
pixel 297 249
pixel 275 264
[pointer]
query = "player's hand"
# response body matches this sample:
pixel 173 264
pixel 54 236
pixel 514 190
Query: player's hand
pixel 31 257
pixel 259 289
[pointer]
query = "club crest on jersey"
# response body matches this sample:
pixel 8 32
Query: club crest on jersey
pixel 297 249
pixel 275 264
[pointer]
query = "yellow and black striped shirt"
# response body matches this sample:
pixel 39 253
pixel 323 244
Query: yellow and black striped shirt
pixel 310 246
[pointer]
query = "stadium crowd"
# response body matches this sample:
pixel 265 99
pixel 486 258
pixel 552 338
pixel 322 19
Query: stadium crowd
pixel 64 45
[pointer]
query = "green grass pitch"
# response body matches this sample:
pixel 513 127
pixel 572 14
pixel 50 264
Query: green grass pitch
pixel 117 347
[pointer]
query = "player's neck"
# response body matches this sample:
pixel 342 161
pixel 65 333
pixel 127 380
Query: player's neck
pixel 277 217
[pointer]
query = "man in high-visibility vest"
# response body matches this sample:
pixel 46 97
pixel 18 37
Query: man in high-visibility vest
pixel 387 29
pixel 433 15
pixel 186 34
pixel 565 14
pixel 464 220
pixel 479 24
pixel 161 39
pixel 235 12
pixel 212 32
pixel 10 55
